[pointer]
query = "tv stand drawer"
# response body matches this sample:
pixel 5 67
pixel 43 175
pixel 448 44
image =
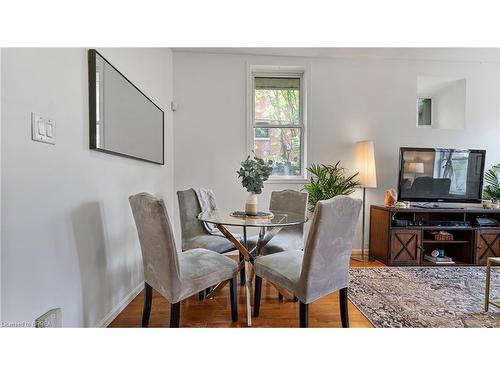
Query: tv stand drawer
pixel 405 247
pixel 487 245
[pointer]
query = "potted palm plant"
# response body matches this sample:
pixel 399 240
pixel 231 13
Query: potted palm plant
pixel 253 173
pixel 492 190
pixel 328 181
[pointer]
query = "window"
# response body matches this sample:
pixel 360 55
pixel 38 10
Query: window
pixel 277 126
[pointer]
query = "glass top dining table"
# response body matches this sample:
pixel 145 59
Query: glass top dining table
pixel 278 220
pixel 222 219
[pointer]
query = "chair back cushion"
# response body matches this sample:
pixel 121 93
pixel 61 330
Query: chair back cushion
pixel 289 201
pixel 328 248
pixel 189 209
pixel 294 202
pixel 159 254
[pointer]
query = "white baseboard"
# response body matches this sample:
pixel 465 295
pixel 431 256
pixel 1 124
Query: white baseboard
pixel 120 306
pixel 357 251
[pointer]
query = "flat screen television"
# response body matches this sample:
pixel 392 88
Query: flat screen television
pixel 440 175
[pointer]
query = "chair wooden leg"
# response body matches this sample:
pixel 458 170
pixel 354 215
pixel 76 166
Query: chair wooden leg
pixel 148 298
pixel 303 315
pixel 175 315
pixel 256 296
pixel 344 313
pixel 233 292
pixel 201 295
pixel 242 272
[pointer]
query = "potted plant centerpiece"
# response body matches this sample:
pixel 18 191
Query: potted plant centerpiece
pixel 328 181
pixel 253 173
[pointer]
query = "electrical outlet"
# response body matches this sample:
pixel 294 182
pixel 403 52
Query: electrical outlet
pixel 43 129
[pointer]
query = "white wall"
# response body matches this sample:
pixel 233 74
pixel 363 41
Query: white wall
pixel 351 100
pixel 68 236
pixel 450 106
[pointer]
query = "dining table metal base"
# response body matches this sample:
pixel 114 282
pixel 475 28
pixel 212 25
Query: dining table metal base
pixel 268 229
pixel 244 264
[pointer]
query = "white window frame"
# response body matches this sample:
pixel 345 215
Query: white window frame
pixel 288 72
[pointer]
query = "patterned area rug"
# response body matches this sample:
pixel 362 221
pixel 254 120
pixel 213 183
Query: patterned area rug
pixel 425 296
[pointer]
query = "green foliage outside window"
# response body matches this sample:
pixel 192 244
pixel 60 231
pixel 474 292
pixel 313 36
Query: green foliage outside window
pixel 280 106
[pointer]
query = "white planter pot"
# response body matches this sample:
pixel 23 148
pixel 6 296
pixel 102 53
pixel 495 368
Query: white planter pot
pixel 251 204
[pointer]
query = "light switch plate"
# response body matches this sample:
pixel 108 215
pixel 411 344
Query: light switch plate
pixel 43 129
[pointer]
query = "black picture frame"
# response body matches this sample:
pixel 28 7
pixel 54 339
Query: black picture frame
pixel 92 55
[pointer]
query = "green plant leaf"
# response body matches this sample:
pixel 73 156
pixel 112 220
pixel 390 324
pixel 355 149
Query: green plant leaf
pixel 328 181
pixel 492 190
pixel 253 173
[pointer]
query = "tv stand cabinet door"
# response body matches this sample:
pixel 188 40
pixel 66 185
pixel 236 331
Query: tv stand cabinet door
pixel 487 245
pixel 405 247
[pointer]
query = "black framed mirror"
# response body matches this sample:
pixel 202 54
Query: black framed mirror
pixel 123 120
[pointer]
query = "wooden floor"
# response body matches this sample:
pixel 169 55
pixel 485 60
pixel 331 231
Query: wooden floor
pixel 216 312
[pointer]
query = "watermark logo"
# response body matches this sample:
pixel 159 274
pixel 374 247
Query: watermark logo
pixel 25 324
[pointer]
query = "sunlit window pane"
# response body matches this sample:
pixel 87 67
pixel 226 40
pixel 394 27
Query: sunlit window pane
pixel 277 101
pixel 282 146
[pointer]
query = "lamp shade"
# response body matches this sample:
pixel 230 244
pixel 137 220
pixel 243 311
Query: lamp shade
pixel 365 162
pixel 416 167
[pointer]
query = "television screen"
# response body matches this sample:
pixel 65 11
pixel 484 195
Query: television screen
pixel 440 175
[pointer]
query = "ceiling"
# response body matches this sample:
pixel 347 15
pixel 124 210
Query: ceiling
pixel 437 54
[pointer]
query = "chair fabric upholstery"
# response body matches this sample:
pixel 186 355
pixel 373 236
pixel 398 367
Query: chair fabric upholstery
pixel 193 233
pixel 283 268
pixel 175 276
pixel 202 268
pixel 209 241
pixel 323 267
pixel 288 238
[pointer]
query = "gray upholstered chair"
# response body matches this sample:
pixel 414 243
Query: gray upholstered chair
pixel 288 238
pixel 193 232
pixel 323 266
pixel 174 275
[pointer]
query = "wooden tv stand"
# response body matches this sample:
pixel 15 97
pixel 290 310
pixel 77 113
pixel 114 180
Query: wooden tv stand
pixel 406 244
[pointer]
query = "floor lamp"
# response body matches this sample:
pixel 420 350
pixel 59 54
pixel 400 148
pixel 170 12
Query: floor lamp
pixel 365 160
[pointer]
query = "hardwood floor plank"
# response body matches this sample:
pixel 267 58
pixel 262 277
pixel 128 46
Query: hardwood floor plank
pixel 216 312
